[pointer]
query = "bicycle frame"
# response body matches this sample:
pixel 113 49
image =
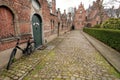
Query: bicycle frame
pixel 27 51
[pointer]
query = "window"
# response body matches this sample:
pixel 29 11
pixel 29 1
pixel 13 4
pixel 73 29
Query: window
pixel 6 22
pixel 80 11
pixel 36 4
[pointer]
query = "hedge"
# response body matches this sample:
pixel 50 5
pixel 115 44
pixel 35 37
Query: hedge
pixel 108 36
pixel 96 26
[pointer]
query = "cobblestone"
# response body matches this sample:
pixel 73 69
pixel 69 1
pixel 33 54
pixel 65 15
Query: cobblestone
pixel 26 64
pixel 75 58
pixel 72 58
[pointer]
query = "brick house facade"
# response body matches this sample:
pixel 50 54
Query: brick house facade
pixel 23 18
pixel 93 15
pixel 79 17
pixel 64 20
pixel 14 21
pixel 90 17
pixel 70 21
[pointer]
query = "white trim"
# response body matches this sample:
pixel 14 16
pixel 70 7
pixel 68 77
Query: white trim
pixel 33 13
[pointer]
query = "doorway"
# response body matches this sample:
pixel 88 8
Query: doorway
pixel 37 29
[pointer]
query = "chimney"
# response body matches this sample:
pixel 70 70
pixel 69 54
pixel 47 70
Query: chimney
pixel 64 11
pixel 75 9
pixel 53 6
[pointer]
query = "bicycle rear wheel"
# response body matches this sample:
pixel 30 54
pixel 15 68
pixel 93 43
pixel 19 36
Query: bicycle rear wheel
pixel 30 49
pixel 12 57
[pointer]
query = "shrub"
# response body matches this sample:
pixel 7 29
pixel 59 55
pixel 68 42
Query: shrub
pixel 97 26
pixel 112 23
pixel 108 36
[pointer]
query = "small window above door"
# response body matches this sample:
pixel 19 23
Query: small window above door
pixel 36 4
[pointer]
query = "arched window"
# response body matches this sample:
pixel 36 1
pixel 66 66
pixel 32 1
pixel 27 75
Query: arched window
pixel 6 22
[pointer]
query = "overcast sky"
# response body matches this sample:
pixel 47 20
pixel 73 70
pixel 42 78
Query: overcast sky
pixel 65 4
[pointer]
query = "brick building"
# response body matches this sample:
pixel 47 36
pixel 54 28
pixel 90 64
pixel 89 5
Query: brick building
pixel 89 17
pixel 70 21
pixel 79 17
pixel 25 18
pixel 93 15
pixel 64 20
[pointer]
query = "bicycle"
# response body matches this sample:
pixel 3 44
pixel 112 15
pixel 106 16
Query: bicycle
pixel 26 51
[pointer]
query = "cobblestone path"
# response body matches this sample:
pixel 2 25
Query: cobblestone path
pixel 73 59
pixel 20 68
pixel 68 57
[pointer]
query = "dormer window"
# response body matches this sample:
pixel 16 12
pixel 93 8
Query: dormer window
pixel 80 11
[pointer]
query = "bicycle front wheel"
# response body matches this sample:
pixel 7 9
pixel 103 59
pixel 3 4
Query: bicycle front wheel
pixel 12 57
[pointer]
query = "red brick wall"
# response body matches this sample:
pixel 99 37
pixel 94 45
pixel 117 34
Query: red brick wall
pixel 50 20
pixel 7 45
pixel 24 28
pixel 15 20
pixel 46 18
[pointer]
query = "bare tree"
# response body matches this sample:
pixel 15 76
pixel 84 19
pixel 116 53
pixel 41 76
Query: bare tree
pixel 118 1
pixel 118 12
pixel 101 5
pixel 112 10
pixel 111 2
pixel 100 9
